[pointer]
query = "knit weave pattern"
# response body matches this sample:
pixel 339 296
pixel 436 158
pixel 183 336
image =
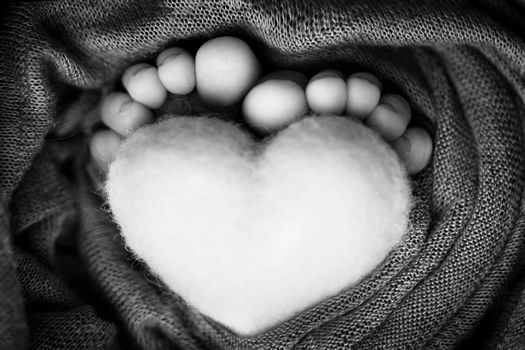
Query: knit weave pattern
pixel 456 282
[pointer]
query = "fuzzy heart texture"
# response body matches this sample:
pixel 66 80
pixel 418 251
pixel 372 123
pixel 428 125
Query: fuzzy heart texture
pixel 252 233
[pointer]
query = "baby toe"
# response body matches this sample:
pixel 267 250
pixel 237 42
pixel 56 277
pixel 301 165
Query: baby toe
pixel 364 91
pixel 176 69
pixel 414 149
pixel 390 117
pixel 326 92
pixel 103 145
pixel 123 115
pixel 143 85
pixel 278 100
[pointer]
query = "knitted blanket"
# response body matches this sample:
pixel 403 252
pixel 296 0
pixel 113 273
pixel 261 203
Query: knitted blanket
pixel 457 281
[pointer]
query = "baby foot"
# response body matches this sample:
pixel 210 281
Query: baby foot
pixel 272 103
pixel 147 89
pixel 282 97
pixel 177 73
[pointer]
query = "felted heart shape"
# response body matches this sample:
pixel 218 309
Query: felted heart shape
pixel 252 233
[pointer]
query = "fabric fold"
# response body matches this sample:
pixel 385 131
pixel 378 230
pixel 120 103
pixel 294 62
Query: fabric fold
pixel 457 281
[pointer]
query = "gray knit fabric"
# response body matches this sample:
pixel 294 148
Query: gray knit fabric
pixel 457 281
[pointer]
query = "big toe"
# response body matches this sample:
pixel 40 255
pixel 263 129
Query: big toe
pixel 226 68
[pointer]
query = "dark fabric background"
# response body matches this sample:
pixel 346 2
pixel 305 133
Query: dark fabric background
pixel 458 279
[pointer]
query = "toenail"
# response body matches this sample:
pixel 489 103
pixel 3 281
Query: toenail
pixel 388 106
pixel 328 73
pixel 168 56
pixel 403 146
pixel 369 78
pixel 125 106
pixel 133 71
pixel 407 145
pixel 385 120
pixel 398 104
pixel 138 68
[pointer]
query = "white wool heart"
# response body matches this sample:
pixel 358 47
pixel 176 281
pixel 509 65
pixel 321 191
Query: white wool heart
pixel 252 233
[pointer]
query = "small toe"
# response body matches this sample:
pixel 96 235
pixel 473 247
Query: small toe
pixel 123 115
pixel 143 85
pixel 364 92
pixel 399 104
pixel 278 100
pixel 414 149
pixel 326 92
pixel 103 145
pixel 176 69
pixel 390 117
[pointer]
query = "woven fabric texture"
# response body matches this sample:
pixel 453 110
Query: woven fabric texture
pixel 456 282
